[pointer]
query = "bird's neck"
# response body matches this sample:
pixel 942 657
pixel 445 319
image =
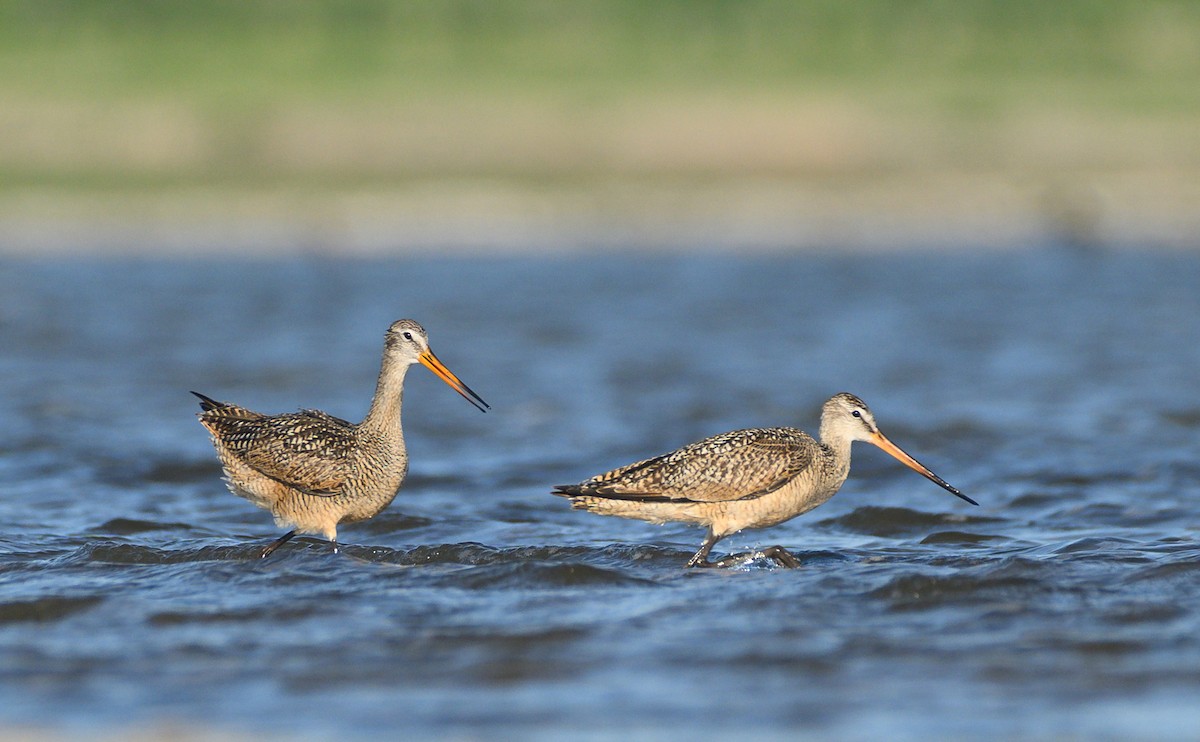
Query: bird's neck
pixel 384 416
pixel 838 448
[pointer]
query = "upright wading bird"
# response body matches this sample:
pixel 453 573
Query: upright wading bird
pixel 314 471
pixel 743 479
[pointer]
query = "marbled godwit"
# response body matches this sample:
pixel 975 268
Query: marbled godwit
pixel 744 479
pixel 313 470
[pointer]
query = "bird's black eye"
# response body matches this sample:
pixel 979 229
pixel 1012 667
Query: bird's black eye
pixel 408 336
pixel 856 413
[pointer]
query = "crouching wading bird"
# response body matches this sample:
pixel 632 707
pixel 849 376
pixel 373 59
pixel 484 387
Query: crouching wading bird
pixel 744 479
pixel 314 471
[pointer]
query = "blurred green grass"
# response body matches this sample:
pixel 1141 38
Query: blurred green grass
pixel 134 96
pixel 225 53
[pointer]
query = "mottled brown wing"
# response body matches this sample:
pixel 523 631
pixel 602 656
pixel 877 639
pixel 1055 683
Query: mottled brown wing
pixel 306 450
pixel 738 465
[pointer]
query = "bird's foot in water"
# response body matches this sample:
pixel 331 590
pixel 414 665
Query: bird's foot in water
pixel 781 556
pixel 777 554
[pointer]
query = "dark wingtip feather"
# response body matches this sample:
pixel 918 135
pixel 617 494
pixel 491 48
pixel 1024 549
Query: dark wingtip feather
pixel 208 403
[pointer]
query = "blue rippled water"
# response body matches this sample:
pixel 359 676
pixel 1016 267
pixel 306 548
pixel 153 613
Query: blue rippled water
pixel 1057 387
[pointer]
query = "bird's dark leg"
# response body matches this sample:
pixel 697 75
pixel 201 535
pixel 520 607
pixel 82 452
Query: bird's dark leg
pixel 700 558
pixel 270 548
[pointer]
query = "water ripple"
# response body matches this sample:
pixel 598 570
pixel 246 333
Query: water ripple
pixel 46 609
pixel 933 592
pixel 888 522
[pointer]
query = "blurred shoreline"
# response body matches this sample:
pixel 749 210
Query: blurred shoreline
pixel 937 210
